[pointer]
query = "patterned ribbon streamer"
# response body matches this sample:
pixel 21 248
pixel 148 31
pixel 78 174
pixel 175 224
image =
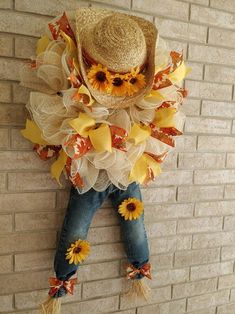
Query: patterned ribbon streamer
pixel 139 133
pixel 141 168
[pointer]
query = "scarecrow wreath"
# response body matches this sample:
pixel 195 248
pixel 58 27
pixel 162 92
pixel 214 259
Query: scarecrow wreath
pixel 105 106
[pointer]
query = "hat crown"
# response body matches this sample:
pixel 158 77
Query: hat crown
pixel 117 42
pixel 87 21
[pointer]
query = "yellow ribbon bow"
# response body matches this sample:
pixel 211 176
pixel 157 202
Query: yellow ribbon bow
pixel 33 133
pixel 71 49
pixel 180 73
pixel 58 166
pixel 176 76
pixel 42 44
pixel 164 117
pixel 100 137
pixel 141 168
pixel 83 90
pixel 70 45
pixel 139 133
pixel 154 96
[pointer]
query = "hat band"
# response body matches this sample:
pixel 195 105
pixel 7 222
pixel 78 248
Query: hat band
pixel 89 61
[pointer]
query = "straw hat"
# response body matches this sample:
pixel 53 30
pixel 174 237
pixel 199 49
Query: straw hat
pixel 119 42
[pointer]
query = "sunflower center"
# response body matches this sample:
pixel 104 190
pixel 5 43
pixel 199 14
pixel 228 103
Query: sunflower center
pixel 133 80
pixel 101 76
pixel 77 250
pixel 117 81
pixel 131 207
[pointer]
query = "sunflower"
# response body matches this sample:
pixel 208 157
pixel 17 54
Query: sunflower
pixel 78 251
pixel 131 208
pixel 119 86
pixel 136 81
pixel 99 77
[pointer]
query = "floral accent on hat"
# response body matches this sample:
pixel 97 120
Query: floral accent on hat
pixel 116 84
pixel 99 78
pixel 136 81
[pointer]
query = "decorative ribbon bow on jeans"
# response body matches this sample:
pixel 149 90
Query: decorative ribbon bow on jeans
pixel 144 270
pixel 56 284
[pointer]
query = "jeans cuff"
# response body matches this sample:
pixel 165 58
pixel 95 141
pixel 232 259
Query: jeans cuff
pixel 59 293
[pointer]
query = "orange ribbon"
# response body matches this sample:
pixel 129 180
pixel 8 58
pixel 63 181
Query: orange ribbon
pixel 144 270
pixel 56 284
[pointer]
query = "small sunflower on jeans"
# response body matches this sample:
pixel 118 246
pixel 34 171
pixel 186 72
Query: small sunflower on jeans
pixel 131 208
pixel 78 251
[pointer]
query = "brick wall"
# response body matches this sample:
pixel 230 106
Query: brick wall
pixel 190 209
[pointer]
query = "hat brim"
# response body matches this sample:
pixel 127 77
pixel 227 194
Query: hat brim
pixel 85 17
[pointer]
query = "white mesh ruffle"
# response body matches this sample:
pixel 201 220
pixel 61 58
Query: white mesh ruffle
pixel 51 116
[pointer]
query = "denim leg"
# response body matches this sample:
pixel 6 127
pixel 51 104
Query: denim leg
pixel 133 231
pixel 80 211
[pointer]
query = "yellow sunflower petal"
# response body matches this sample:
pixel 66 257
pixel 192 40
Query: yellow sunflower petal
pixel 71 259
pixel 81 257
pixel 130 216
pixel 68 256
pixel 76 259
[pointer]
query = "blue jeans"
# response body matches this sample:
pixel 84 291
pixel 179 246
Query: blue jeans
pixel 80 211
